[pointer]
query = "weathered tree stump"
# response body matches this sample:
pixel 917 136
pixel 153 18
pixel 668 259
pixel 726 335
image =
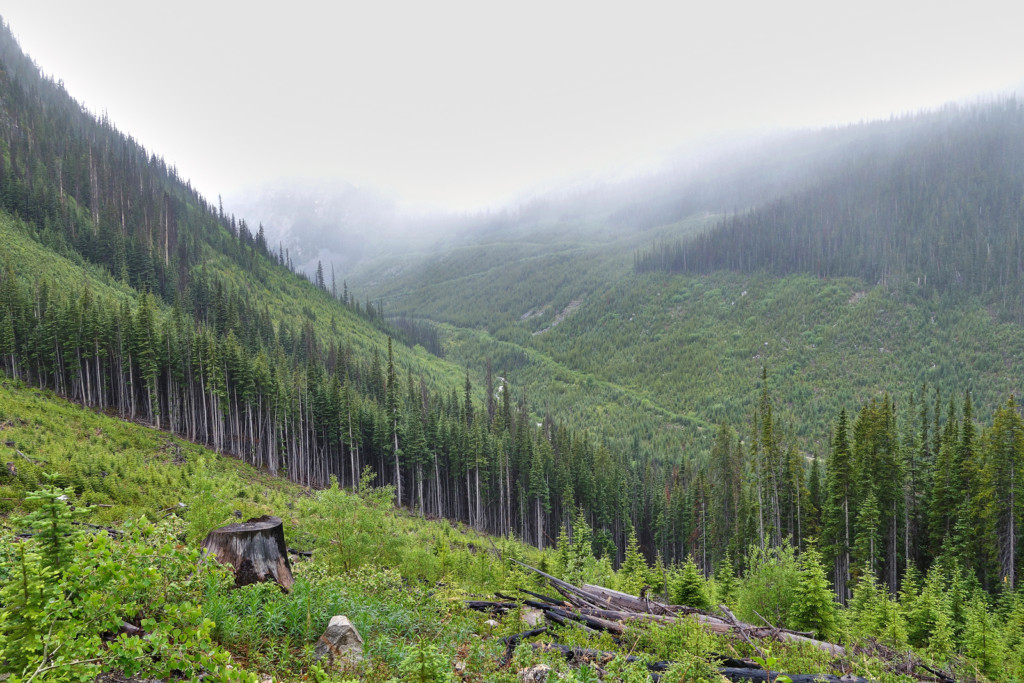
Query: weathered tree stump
pixel 255 548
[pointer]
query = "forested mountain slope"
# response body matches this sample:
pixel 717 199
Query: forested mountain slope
pixel 588 319
pixel 940 213
pixel 724 419
pixel 568 278
pixel 122 288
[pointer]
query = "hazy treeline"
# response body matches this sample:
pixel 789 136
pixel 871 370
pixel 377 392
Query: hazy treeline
pixel 941 210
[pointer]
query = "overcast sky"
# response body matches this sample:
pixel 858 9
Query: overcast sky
pixel 463 104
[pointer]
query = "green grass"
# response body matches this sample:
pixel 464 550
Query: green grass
pixel 400 578
pixel 65 270
pixel 378 565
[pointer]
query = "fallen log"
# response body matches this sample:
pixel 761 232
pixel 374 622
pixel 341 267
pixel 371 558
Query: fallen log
pixel 618 615
pixel 599 597
pixel 610 597
pixel 731 618
pixel 717 625
pixel 595 623
pixel 488 606
pixel 941 675
pixel 131 630
pixel 541 596
pixel 732 662
pixel 111 531
pixel 562 619
pixel 561 586
pixel 586 655
pixel 606 618
pixel 577 655
pixel 762 676
pixel 512 642
pixel 255 548
pixel 34 462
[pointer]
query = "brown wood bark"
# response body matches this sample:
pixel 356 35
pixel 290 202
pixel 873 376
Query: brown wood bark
pixel 255 548
pixel 591 596
pixel 577 655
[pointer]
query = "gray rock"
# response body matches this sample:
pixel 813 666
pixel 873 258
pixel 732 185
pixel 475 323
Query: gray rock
pixel 341 641
pixel 532 617
pixel 538 673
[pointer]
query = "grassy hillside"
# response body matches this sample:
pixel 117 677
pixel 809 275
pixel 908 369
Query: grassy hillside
pixel 584 378
pixel 290 302
pixel 401 580
pixel 697 343
pixel 125 474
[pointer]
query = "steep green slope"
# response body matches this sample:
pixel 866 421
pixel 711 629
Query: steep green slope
pixel 661 359
pixel 160 495
pixel 876 298
pixel 401 580
pixel 122 288
pixel 697 342
pixel 651 359
pixel 131 293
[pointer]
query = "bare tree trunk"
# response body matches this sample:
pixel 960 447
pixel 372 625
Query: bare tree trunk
pixel 1011 563
pixel 437 484
pixel 479 514
pixel 540 526
pixel 398 472
pixel 419 485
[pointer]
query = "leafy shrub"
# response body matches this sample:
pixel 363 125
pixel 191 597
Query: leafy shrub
pixel 69 590
pixel 768 588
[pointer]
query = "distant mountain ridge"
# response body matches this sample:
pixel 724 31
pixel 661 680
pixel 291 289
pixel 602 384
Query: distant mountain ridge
pixel 935 200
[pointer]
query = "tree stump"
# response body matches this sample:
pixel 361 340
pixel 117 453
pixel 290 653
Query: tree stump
pixel 255 548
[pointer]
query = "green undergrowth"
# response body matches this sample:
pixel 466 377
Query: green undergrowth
pixel 68 589
pixel 399 577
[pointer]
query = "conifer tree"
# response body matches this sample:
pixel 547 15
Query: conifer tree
pixel 815 609
pixel 837 513
pixel 689 588
pixel 563 551
pixel 633 573
pixel 1005 470
pixel 392 405
pixel 866 547
pixel 725 581
pixel 726 486
pixel 946 494
pixel 319 281
pixel 581 554
pixel 539 492
pixel 815 498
